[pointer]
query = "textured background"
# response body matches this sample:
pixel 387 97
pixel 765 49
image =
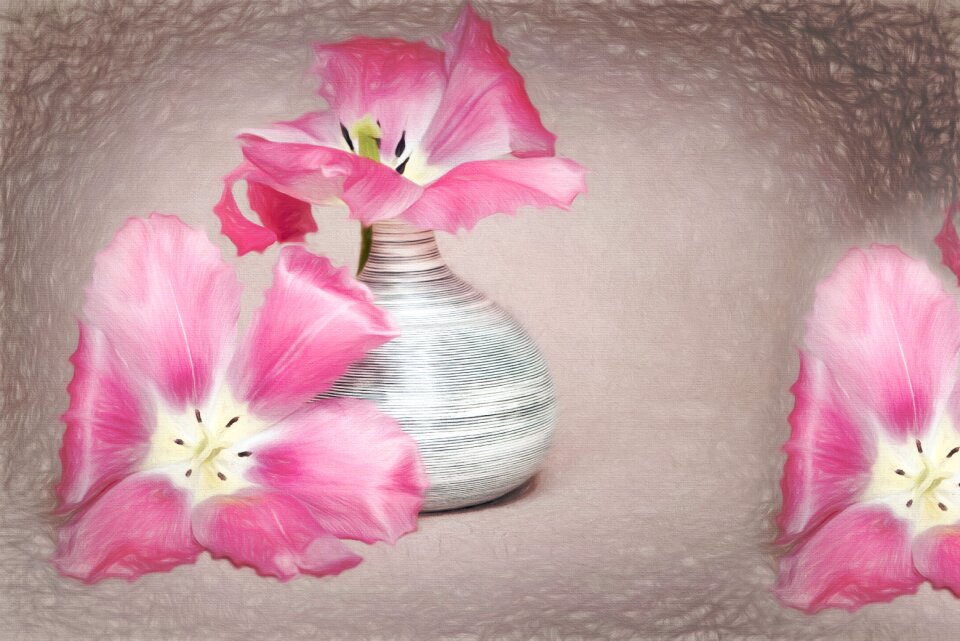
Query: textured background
pixel 735 152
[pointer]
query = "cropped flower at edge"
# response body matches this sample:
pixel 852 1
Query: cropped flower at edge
pixel 438 139
pixel 871 487
pixel 179 440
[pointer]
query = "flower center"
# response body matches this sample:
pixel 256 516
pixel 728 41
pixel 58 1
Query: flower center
pixel 206 452
pixel 919 479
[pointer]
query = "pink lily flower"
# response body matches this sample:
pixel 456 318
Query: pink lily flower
pixel 180 439
pixel 438 139
pixel 871 486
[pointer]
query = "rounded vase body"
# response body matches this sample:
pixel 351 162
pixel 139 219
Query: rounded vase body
pixel 463 378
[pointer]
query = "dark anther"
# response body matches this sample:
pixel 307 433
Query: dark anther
pixel 346 136
pixel 910 502
pixel 401 145
pixel 178 441
pixel 221 476
pixel 953 451
pixel 919 447
pixel 402 166
pixel 197 414
pixel 244 453
pixel 378 122
pixel 233 420
pixel 189 472
pixel 901 472
pixel 942 506
pixel 378 142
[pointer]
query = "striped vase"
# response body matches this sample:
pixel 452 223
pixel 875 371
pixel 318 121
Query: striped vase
pixel 463 378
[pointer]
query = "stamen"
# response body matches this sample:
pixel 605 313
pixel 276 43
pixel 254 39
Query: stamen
pixel 244 453
pixel 910 502
pixel 401 145
pixel 346 136
pixel 223 477
pixel 402 166
pixel 942 506
pixel 919 447
pixel 197 414
pixel 953 451
pixel 233 420
pixel 178 441
pixel 901 472
pixel 189 472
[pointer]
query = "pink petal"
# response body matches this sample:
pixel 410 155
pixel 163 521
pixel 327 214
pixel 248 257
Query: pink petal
pixel 314 322
pixel 828 458
pixel 274 534
pixel 948 241
pixel 140 525
pixel 354 466
pixel 394 82
pixel 936 554
pixel 485 112
pixel 889 334
pixel 860 556
pixel 475 190
pixel 108 425
pixel 373 191
pixel 167 304
pixel 313 128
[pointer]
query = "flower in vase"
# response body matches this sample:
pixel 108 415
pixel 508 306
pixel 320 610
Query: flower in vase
pixel 439 139
pixel 180 438
pixel 871 487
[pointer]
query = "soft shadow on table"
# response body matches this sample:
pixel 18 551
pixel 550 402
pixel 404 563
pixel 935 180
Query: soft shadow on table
pixel 513 496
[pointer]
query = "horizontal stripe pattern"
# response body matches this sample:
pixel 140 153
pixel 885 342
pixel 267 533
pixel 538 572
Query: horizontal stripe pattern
pixel 463 378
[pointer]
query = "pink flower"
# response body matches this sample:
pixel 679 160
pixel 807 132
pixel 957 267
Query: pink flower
pixel 179 440
pixel 871 487
pixel 439 139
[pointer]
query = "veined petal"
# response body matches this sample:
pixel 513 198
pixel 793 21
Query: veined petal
pixel 168 304
pixel 353 465
pixel 316 174
pixel 274 534
pixel 108 422
pixel 936 554
pixel 890 336
pixel 485 112
pixel 394 82
pixel 475 190
pixel 315 321
pixel 828 455
pixel 861 555
pixel 140 525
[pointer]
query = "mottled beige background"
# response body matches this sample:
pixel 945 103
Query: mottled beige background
pixel 734 155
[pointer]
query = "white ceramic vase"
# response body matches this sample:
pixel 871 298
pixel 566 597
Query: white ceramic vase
pixel 463 378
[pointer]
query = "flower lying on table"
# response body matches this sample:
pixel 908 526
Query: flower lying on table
pixel 180 440
pixel 439 139
pixel 871 487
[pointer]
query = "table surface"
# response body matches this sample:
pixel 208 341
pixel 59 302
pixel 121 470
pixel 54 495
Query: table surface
pixel 668 302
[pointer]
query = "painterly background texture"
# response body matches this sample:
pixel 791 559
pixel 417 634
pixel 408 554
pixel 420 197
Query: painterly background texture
pixel 735 151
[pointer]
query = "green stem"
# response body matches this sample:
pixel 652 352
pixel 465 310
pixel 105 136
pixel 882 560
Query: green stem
pixel 368 145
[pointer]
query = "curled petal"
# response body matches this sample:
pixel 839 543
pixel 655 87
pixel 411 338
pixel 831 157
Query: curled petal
pixel 395 82
pixel 108 422
pixel 936 554
pixel 168 304
pixel 861 555
pixel 485 111
pixel 475 190
pixel 372 191
pixel 828 456
pixel 354 466
pixel 949 242
pixel 315 321
pixel 889 334
pixel 274 534
pixel 140 525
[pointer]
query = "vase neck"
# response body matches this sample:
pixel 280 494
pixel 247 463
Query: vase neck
pixel 400 251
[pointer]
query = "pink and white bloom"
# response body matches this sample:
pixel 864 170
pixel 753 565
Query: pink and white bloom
pixel 438 139
pixel 180 438
pixel 871 487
